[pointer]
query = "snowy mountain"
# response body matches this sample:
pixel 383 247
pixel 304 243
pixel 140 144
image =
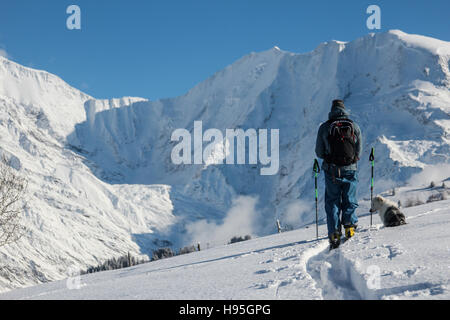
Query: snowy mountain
pixel 102 183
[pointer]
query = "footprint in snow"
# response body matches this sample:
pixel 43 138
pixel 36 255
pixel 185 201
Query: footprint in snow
pixel 289 258
pixel 263 271
pixel 393 251
pixel 282 268
pixel 286 282
pixel 267 261
pixel 266 285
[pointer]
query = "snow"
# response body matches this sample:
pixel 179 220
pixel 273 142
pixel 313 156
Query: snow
pixel 101 182
pixel 44 92
pixel 407 262
pixel 435 46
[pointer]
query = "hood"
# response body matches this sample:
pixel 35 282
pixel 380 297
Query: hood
pixel 338 113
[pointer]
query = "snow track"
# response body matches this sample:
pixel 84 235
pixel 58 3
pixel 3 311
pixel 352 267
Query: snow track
pixel 337 277
pixel 384 263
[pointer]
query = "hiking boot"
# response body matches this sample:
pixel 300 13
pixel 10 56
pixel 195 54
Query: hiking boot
pixel 350 231
pixel 335 240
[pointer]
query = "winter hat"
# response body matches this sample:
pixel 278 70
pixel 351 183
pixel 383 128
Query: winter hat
pixel 338 110
pixel 338 104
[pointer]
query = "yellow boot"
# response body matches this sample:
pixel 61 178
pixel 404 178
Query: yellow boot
pixel 349 232
pixel 335 240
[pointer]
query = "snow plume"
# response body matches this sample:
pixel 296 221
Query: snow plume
pixel 380 185
pixel 3 53
pixel 295 213
pixel 432 173
pixel 240 220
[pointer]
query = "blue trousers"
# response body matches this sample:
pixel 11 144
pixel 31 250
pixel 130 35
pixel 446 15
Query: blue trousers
pixel 340 197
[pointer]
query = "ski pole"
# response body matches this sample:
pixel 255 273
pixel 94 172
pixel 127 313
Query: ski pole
pixel 316 170
pixel 372 159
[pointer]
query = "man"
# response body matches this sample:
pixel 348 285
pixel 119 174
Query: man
pixel 339 144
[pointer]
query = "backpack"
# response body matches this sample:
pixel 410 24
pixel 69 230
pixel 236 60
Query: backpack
pixel 342 141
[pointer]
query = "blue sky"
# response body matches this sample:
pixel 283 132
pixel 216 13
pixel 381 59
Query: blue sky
pixel 158 49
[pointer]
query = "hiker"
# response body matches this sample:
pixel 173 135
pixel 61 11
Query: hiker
pixel 339 144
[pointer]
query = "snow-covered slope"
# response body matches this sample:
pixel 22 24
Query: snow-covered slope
pixel 101 182
pixel 72 218
pixel 56 105
pixel 407 262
